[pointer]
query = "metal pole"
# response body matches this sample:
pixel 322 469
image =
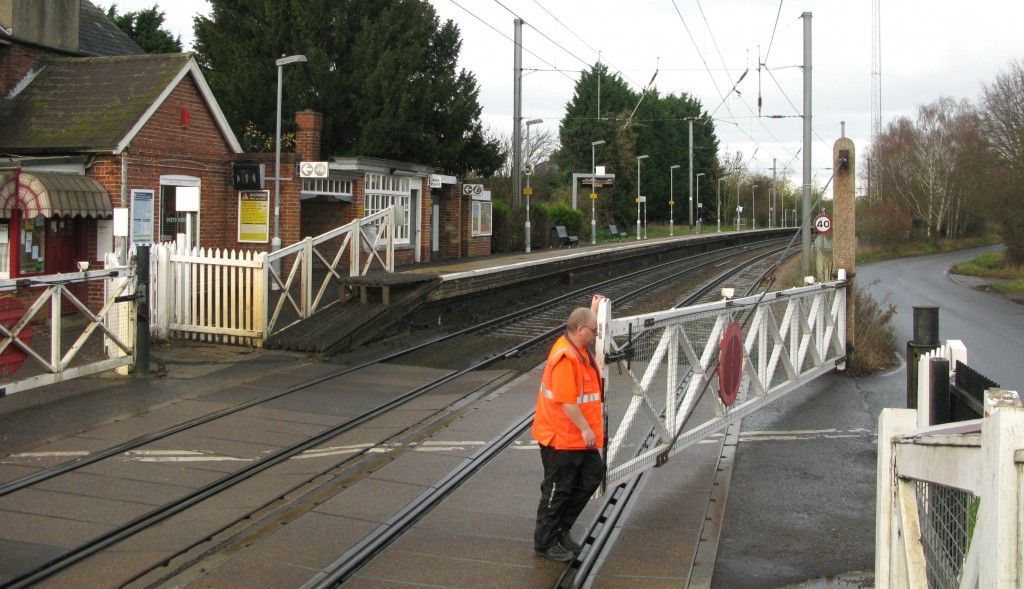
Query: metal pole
pixel 593 190
pixel 805 232
pixel 671 200
pixel 753 221
pixel 737 219
pixel 638 230
pixel 718 209
pixel 697 182
pixel 275 243
pixel 517 156
pixel 689 206
pixel 529 190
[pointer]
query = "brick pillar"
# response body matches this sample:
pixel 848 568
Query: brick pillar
pixel 307 139
pixel 307 148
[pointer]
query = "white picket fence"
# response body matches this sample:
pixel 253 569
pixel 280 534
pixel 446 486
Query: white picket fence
pixel 239 297
pixel 207 294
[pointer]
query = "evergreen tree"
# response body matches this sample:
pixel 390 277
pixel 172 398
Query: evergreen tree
pixel 632 124
pixel 145 27
pixel 383 73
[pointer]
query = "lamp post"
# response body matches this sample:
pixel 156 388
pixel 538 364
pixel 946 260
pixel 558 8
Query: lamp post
pixel 528 191
pixel 753 221
pixel 671 200
pixel 593 191
pixel 697 183
pixel 638 158
pixel 719 208
pixel 275 244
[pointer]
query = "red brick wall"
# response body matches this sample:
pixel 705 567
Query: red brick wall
pixel 165 146
pixel 450 222
pixel 15 61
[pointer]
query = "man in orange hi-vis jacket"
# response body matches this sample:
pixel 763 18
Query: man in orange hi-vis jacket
pixel 569 427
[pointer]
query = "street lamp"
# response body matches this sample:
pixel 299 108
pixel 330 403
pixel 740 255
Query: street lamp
pixel 697 183
pixel 753 220
pixel 638 158
pixel 593 191
pixel 275 244
pixel 719 209
pixel 671 199
pixel 528 191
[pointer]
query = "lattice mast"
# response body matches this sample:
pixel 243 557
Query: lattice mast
pixel 874 166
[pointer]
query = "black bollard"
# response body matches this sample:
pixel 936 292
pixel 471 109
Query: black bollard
pixel 938 385
pixel 142 310
pixel 926 339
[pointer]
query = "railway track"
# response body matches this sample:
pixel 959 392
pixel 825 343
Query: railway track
pixel 451 393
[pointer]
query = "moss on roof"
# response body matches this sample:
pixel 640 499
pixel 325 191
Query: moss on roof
pixel 85 104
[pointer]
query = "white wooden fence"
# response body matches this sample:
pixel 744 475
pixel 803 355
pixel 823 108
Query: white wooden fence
pixel 239 297
pixel 949 498
pixel 206 294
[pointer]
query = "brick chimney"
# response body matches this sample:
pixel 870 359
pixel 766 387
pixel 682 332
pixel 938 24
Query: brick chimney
pixel 307 138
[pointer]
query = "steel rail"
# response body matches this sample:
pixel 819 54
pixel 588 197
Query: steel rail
pixel 183 503
pixel 92 458
pixel 358 556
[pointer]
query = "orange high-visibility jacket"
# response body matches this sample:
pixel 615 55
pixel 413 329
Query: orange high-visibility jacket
pixel 568 378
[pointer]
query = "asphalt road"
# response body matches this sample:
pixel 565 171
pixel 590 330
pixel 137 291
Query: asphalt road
pixel 801 506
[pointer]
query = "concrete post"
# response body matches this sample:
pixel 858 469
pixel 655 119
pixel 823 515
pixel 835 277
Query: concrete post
pixel 844 226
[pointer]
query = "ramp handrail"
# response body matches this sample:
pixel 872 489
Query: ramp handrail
pixel 314 263
pixel 680 349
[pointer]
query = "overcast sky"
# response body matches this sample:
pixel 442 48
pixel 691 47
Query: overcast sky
pixel 928 49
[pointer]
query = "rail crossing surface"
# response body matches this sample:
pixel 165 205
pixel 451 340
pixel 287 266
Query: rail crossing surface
pixel 481 536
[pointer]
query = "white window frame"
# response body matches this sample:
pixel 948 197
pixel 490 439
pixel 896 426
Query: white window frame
pixel 482 209
pixel 380 192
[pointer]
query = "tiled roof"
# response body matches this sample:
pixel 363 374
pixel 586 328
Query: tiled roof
pixel 85 104
pixel 98 35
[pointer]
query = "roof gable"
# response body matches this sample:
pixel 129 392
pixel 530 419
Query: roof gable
pixel 97 104
pixel 98 35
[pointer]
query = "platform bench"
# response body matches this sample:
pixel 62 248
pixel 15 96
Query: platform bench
pixel 563 238
pixel 614 232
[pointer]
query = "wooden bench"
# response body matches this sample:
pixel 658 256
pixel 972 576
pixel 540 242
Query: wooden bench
pixel 614 232
pixel 563 237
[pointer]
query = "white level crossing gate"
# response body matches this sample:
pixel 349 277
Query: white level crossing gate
pixel 672 358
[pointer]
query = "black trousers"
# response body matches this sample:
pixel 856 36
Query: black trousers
pixel 570 478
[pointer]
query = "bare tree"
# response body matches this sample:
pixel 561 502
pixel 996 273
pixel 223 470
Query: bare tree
pixel 1002 122
pixel 923 164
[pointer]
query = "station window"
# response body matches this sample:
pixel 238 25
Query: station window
pixel 32 246
pixel 382 192
pixel 481 218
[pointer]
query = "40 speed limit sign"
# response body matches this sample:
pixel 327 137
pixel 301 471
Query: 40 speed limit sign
pixel 823 223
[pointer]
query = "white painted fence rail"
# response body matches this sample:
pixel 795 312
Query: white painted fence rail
pixel 949 503
pixel 789 337
pixel 240 297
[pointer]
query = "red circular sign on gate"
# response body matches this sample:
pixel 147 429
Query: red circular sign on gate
pixel 730 364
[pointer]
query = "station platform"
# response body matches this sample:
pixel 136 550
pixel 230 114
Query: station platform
pixel 373 304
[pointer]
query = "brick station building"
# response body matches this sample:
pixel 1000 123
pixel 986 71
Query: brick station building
pixel 90 124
